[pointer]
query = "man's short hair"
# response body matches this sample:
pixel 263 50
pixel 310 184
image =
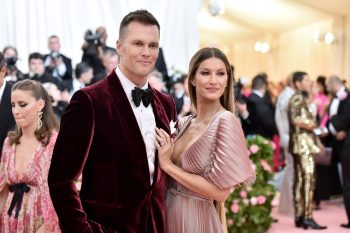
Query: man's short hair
pixel 335 79
pixel 81 68
pixel 298 76
pixel 109 51
pixel 35 56
pixel 53 36
pixel 2 61
pixel 140 16
pixel 259 81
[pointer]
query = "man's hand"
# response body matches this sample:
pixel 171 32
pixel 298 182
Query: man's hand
pixel 341 135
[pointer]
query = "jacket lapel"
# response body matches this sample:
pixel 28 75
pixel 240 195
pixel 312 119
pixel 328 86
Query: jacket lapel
pixel 131 131
pixel 162 121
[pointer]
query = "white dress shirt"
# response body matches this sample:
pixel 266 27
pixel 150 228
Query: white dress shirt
pixel 145 120
pixel 2 88
pixel 76 86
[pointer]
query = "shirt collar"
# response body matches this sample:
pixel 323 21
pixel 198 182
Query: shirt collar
pixel 127 85
pixel 77 85
pixel 258 93
pixel 341 90
pixel 2 89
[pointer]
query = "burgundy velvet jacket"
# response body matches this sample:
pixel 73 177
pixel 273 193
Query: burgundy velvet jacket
pixel 100 137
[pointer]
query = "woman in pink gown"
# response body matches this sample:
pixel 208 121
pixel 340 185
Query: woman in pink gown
pixel 209 157
pixel 26 206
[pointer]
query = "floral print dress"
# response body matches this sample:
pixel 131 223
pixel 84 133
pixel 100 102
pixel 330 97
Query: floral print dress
pixel 36 208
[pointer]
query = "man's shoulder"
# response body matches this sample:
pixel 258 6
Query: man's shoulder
pixel 296 99
pixel 166 100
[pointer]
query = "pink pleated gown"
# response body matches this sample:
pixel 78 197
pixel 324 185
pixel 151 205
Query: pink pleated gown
pixel 220 156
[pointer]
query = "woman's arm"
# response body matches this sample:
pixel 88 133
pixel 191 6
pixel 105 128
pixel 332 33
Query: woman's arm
pixel 193 182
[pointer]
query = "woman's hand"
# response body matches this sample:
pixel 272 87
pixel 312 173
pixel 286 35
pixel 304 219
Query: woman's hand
pixel 164 145
pixel 41 229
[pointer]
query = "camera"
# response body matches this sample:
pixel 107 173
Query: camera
pixel 11 63
pixel 55 55
pixel 92 38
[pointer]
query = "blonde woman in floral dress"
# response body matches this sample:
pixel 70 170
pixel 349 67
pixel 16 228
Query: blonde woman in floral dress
pixel 25 204
pixel 209 157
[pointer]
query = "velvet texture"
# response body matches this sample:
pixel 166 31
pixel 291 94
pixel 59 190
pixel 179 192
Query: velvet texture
pixel 100 137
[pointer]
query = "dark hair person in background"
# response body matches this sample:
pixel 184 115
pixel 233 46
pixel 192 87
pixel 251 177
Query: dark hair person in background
pixel 26 205
pixel 303 145
pixel 6 118
pixel 13 74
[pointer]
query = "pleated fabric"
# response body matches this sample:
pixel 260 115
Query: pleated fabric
pixel 221 156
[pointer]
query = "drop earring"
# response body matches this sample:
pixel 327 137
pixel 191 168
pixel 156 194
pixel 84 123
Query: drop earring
pixel 40 122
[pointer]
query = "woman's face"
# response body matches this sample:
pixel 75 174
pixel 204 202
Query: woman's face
pixel 25 109
pixel 210 79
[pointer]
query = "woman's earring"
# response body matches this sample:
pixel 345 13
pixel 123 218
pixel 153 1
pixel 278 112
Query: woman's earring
pixel 40 122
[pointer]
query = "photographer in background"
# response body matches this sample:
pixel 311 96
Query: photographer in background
pixel 56 64
pixel 94 47
pixel 13 74
pixel 37 71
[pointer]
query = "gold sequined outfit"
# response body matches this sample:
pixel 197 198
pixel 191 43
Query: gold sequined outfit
pixel 304 144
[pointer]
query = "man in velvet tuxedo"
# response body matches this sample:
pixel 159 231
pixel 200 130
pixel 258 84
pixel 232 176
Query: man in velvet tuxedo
pixel 6 118
pixel 339 126
pixel 108 134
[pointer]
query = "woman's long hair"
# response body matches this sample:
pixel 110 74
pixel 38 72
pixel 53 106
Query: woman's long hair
pixel 49 120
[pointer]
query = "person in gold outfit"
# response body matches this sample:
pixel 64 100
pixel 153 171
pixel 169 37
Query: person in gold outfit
pixel 303 145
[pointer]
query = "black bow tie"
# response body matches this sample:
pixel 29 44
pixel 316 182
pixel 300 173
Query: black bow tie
pixel 139 94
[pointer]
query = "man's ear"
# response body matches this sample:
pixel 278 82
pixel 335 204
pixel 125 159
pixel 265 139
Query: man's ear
pixel 3 71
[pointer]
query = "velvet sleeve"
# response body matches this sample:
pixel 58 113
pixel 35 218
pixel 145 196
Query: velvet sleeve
pixel 68 159
pixel 230 165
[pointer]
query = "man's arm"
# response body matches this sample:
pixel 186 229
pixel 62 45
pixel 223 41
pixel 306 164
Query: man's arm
pixel 69 156
pixel 341 122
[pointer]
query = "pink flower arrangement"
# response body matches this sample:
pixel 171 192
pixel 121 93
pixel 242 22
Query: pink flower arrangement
pixel 265 165
pixel 229 221
pixel 243 194
pixel 234 208
pixel 254 167
pixel 253 201
pixel 254 148
pixel 246 201
pixel 261 200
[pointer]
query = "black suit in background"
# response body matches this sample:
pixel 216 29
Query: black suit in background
pixel 68 63
pixel 341 121
pixel 7 122
pixel 261 116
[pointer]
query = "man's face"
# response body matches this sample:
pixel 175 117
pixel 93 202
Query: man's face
pixel 305 84
pixel 2 75
pixel 331 87
pixel 110 62
pixel 37 66
pixel 87 76
pixel 138 49
pixel 54 44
